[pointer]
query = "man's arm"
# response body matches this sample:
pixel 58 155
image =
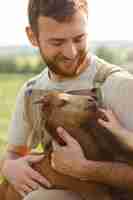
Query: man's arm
pixel 111 173
pixel 70 160
pixel 16 164
pixel 17 170
pixel 7 155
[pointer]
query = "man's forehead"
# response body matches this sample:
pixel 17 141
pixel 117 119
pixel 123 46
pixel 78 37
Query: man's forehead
pixel 78 24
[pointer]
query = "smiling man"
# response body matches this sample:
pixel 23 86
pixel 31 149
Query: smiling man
pixel 60 30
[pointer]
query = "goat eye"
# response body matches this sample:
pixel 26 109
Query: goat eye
pixel 63 102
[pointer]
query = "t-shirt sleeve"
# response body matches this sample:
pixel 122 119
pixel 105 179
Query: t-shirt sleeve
pixel 117 93
pixel 18 128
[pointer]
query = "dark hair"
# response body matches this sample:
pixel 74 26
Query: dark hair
pixel 60 10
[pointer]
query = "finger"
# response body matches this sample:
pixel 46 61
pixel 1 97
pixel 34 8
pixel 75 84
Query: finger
pixel 69 140
pixel 102 110
pixel 22 193
pixel 26 189
pixel 33 158
pixel 103 123
pixel 38 178
pixel 107 112
pixel 32 184
pixel 34 153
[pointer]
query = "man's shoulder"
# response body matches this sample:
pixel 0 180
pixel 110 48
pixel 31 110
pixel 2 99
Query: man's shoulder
pixel 34 81
pixel 105 69
pixel 100 62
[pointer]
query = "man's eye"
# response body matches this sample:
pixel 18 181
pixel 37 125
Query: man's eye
pixel 79 39
pixel 56 43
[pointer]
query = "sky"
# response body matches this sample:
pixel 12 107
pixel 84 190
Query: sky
pixel 109 20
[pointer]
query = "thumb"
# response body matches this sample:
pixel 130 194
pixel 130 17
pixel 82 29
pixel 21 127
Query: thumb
pixel 65 136
pixel 33 158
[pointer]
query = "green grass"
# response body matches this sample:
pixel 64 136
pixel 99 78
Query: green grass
pixel 9 87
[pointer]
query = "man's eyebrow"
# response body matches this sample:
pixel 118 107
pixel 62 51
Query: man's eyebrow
pixel 64 39
pixel 57 39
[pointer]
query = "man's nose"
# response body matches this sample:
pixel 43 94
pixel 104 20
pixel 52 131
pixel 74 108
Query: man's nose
pixel 70 51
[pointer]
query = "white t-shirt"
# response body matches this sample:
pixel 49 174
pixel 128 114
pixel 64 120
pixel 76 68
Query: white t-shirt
pixel 117 93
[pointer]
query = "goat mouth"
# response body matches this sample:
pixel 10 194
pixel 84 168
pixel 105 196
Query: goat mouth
pixel 93 106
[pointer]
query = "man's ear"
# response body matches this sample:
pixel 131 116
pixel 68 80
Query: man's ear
pixel 31 36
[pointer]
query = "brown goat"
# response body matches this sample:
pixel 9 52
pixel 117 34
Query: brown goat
pixel 77 112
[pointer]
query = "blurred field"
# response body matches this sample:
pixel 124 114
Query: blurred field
pixel 9 86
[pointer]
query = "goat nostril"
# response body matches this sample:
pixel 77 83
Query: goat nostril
pixel 90 100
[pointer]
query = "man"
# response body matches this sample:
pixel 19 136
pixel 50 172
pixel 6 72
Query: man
pixel 60 30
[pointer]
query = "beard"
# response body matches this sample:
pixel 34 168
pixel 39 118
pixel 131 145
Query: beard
pixel 60 65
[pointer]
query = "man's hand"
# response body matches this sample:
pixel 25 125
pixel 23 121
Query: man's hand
pixel 68 159
pixel 112 124
pixel 19 173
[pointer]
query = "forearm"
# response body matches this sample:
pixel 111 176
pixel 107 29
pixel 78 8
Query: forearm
pixel 12 155
pixel 8 156
pixel 114 174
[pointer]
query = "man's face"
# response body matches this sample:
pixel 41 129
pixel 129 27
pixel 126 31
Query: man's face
pixel 63 45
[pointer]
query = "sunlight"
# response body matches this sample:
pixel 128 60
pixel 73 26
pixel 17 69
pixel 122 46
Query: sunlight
pixel 110 20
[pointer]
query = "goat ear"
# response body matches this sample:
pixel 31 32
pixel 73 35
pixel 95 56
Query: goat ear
pixel 84 92
pixel 94 93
